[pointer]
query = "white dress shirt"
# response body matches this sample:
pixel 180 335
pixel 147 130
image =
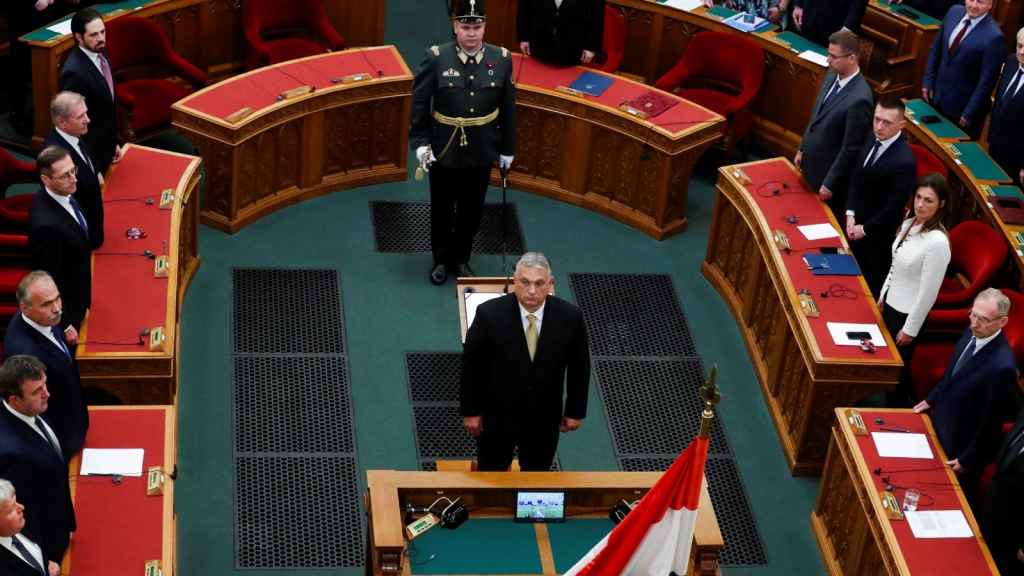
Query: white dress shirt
pixel 538 314
pixel 980 343
pixel 32 547
pixel 918 267
pixel 882 147
pixel 94 57
pixel 76 143
pixel 46 331
pixel 65 202
pixel 1016 81
pixel 974 24
pixel 31 421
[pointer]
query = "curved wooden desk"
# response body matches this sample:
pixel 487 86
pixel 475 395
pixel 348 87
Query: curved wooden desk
pixel 339 135
pixel 207 33
pixel 803 374
pixel 586 151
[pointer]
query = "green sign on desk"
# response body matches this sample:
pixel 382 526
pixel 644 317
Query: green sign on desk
pixel 907 12
pixel 981 165
pixel 1007 192
pixel 941 129
pixel 800 44
pixel 721 12
pixel 43 34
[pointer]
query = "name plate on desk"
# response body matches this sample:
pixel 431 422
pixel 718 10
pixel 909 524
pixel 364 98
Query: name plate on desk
pixel 239 115
pixel 352 78
pixel 157 339
pixel 570 91
pixel 160 267
pixel 633 111
pixel 891 505
pixel 152 568
pixel 295 93
pixel 167 199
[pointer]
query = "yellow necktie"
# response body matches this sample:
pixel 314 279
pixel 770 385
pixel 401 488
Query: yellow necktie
pixel 531 335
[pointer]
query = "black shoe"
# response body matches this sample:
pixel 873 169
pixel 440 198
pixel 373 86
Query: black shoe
pixel 439 275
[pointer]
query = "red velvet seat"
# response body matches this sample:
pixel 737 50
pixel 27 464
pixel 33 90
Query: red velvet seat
pixel 990 470
pixel 928 163
pixel 14 212
pixel 613 40
pixel 143 59
pixel 723 72
pixel 14 171
pixel 271 26
pixel 977 253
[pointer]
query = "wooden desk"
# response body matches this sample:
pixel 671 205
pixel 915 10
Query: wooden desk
pixel 853 532
pixel 207 33
pixel 901 46
pixel 585 151
pixel 492 494
pixel 120 528
pixel 126 297
pixel 803 374
pixel 338 136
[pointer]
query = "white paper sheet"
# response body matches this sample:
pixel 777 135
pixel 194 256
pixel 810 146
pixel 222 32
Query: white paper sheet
pixel 812 56
pixel 63 27
pixel 838 331
pixel 474 299
pixel 818 231
pixel 687 5
pixel 939 524
pixel 123 461
pixel 902 445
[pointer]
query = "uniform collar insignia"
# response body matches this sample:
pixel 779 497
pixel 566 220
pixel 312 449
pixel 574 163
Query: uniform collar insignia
pixel 450 72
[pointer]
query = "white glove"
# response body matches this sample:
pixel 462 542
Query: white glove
pixel 425 155
pixel 505 162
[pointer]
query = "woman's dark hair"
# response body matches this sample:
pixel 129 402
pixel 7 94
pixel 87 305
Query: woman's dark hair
pixel 937 183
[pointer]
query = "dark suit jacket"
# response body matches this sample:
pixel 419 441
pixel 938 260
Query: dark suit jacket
pixel 80 75
pixel 40 478
pixel 62 248
pixel 500 382
pixel 1004 507
pixel 11 565
pixel 963 82
pixel 560 35
pixel 88 193
pixel 1004 131
pixel 67 411
pixel 836 133
pixel 823 17
pixel 968 408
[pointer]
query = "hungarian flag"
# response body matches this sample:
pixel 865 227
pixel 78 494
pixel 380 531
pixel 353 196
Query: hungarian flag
pixel 654 539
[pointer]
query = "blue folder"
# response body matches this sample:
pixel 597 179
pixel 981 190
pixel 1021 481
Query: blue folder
pixel 832 264
pixel 591 83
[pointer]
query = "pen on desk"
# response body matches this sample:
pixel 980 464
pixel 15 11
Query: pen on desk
pixel 893 429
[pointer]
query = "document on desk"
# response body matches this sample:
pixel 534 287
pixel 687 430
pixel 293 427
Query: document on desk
pixel 818 231
pixel 845 334
pixel 902 445
pixel 938 524
pixel 812 56
pixel 109 461
pixel 63 27
pixel 474 299
pixel 688 5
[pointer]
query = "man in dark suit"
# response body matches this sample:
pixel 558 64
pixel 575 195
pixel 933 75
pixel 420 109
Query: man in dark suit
pixel 1004 505
pixel 963 65
pixel 839 124
pixel 970 402
pixel 35 330
pixel 817 20
pixel 19 554
pixel 522 352
pixel 70 117
pixel 59 237
pixel 1005 144
pixel 561 32
pixel 30 456
pixel 87 71
pixel 881 184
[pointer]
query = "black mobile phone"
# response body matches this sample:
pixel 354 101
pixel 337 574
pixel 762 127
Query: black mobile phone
pixel 930 119
pixel 829 249
pixel 858 336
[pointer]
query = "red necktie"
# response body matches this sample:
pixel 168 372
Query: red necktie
pixel 960 36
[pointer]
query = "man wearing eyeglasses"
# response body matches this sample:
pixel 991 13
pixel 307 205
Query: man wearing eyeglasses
pixel 60 237
pixel 975 395
pixel 71 121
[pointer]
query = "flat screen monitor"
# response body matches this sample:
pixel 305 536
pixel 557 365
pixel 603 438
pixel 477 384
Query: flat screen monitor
pixel 540 506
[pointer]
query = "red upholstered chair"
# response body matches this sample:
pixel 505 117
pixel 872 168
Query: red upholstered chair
pixel 990 470
pixel 721 71
pixel 613 42
pixel 278 30
pixel 14 171
pixel 14 213
pixel 927 162
pixel 143 59
pixel 978 252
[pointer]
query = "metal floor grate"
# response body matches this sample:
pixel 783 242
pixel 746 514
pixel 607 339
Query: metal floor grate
pixel 272 312
pixel 405 227
pixel 632 315
pixel 433 376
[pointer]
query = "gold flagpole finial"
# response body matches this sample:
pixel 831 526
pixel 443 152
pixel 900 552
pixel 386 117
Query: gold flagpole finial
pixel 709 392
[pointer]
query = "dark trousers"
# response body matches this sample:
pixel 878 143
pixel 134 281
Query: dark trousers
pixel 1007 160
pixel 496 448
pixel 456 203
pixel 903 395
pixel 874 257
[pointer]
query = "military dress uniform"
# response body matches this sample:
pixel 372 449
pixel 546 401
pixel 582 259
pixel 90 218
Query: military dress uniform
pixel 463 108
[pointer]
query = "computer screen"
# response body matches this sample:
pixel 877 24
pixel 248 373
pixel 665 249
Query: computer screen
pixel 540 507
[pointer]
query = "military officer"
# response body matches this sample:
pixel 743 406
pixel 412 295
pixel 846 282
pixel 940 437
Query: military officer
pixel 463 119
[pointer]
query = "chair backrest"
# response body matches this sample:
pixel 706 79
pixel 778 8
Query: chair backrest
pixel 927 162
pixel 728 62
pixel 1014 329
pixel 277 15
pixel 14 171
pixel 613 42
pixel 977 252
pixel 136 44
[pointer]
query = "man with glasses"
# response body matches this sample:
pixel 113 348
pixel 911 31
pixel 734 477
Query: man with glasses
pixel 975 395
pixel 71 121
pixel 840 124
pixel 60 237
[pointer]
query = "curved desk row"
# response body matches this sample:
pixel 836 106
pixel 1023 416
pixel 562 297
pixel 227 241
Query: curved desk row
pixel 207 33
pixel 802 372
pixel 119 349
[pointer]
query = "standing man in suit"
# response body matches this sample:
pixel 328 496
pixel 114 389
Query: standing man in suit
pixel 963 65
pixel 87 71
pixel 968 405
pixel 70 117
pixel 463 120
pixel 523 352
pixel 30 456
pixel 35 330
pixel 839 123
pixel 19 554
pixel 1004 130
pixel 817 20
pixel 59 237
pixel 883 179
pixel 561 32
pixel 1004 505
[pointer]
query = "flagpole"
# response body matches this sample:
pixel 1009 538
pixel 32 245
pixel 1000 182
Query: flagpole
pixel 709 392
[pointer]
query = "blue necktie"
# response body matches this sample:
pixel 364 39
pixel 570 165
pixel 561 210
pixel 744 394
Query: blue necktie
pixel 967 355
pixel 60 340
pixel 49 438
pixel 78 215
pixel 27 555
